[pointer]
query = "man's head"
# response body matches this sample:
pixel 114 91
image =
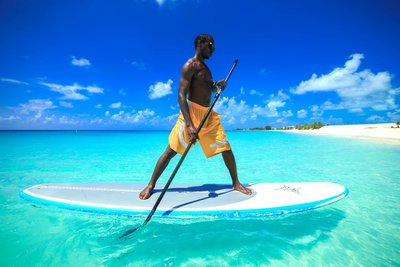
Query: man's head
pixel 204 44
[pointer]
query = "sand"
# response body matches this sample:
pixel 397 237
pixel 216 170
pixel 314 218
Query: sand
pixel 385 132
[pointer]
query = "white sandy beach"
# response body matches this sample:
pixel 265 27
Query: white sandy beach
pixel 387 132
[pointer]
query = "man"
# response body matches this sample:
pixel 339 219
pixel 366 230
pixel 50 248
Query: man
pixel 197 85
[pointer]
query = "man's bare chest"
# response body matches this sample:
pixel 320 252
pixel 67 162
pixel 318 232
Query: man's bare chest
pixel 203 75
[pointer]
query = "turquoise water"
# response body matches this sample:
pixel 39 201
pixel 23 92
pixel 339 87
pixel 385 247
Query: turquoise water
pixel 360 230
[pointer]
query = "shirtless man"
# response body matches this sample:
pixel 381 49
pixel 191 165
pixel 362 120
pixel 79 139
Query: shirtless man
pixel 196 84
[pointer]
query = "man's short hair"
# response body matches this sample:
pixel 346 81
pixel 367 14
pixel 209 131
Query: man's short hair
pixel 201 37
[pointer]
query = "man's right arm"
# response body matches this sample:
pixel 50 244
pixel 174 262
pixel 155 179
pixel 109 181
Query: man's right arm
pixel 188 71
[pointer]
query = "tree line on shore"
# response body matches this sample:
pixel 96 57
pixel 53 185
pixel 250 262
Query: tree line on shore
pixel 315 125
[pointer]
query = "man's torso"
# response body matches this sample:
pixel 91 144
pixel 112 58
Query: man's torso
pixel 200 90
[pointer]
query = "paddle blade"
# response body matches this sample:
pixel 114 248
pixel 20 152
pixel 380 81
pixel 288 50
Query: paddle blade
pixel 130 231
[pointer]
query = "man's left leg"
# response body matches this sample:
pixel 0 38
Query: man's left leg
pixel 230 163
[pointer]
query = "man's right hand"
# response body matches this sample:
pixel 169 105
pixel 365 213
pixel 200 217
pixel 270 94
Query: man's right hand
pixel 191 132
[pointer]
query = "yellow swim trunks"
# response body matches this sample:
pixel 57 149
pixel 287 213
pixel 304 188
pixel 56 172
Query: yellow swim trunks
pixel 212 136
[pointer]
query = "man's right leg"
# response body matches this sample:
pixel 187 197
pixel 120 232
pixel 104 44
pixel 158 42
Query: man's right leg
pixel 162 163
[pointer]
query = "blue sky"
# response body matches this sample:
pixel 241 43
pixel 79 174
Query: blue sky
pixel 116 65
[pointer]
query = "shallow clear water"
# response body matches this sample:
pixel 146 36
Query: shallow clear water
pixel 360 230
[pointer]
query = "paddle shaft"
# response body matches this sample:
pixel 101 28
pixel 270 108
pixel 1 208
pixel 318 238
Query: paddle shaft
pixel 160 197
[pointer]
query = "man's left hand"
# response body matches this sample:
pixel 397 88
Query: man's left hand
pixel 221 84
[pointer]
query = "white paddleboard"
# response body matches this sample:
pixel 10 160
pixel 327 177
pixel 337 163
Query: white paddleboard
pixel 188 200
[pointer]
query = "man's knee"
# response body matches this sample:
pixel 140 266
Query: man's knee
pixel 169 152
pixel 227 152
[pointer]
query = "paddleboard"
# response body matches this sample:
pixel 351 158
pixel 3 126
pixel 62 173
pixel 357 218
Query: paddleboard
pixel 188 200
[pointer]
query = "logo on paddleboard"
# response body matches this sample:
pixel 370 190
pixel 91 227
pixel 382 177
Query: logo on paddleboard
pixel 289 189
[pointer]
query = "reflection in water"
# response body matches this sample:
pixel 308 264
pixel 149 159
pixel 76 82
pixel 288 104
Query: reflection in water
pixel 216 238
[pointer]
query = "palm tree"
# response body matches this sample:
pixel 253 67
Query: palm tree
pixel 398 124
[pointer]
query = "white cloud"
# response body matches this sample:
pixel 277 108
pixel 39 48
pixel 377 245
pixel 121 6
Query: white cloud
pixel 71 91
pixel 122 92
pixel 317 112
pixel 66 104
pixel 10 118
pixel 255 92
pixel 394 116
pixel 160 89
pixel 160 2
pixel 173 117
pixel 67 121
pixel 338 79
pixel 82 62
pixel 277 101
pixel 55 120
pixel 49 119
pixel 263 72
pixel 96 121
pixel 264 111
pixel 274 104
pixel 376 119
pixel 116 105
pixel 13 81
pixel 36 112
pixel 139 64
pixel 141 116
pixel 357 90
pixel 233 112
pixel 334 121
pixel 98 106
pixel 36 107
pixel 301 114
pixel 287 114
pixel 107 113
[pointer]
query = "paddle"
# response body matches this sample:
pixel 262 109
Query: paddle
pixel 217 94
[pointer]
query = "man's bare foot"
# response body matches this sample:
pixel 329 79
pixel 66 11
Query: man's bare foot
pixel 146 192
pixel 239 187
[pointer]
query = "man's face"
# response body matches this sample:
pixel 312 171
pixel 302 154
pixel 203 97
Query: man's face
pixel 207 47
